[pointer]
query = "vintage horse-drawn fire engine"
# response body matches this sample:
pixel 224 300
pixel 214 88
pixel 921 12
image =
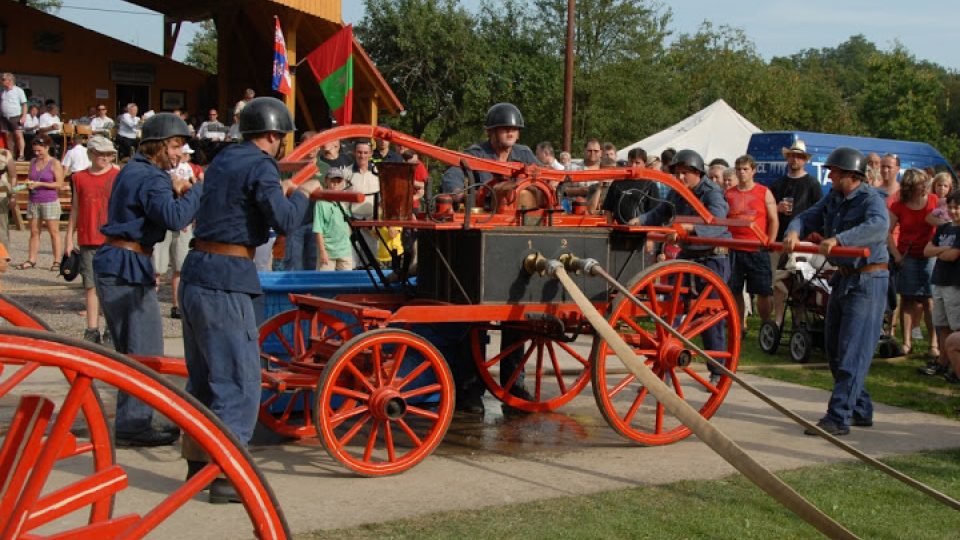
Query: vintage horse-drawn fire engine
pixel 363 372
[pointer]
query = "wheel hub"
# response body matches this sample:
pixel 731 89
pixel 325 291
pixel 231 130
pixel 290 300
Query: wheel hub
pixel 387 404
pixel 674 355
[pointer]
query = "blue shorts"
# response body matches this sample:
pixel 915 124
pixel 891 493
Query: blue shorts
pixel 913 277
pixel 752 267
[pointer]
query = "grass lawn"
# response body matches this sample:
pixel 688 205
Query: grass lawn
pixel 893 381
pixel 865 501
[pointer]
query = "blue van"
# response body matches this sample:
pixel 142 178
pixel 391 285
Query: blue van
pixel 766 148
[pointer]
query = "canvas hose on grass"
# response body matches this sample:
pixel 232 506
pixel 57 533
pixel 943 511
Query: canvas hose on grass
pixel 713 437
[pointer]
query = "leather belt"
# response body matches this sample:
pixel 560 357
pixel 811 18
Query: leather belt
pixel 220 248
pixel 129 245
pixel 866 269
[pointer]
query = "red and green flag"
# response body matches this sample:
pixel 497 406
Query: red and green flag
pixel 332 64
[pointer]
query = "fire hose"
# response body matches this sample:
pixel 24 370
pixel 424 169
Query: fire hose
pixel 709 434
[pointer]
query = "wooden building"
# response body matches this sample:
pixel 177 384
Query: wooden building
pixel 245 53
pixel 76 67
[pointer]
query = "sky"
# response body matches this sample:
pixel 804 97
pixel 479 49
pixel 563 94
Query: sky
pixel 929 29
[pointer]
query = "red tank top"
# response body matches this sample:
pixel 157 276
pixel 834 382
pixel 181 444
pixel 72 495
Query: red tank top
pixel 749 206
pixel 91 195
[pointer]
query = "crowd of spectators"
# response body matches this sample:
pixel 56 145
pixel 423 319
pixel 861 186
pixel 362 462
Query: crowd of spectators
pixel 917 200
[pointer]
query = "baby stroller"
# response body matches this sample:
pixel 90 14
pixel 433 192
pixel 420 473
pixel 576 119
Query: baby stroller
pixel 805 280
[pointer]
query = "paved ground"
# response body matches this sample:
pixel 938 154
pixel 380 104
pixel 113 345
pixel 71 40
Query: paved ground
pixel 495 461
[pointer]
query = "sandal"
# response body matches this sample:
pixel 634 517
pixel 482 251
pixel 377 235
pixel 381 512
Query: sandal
pixel 55 267
pixel 26 265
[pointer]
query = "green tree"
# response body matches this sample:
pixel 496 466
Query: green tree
pixel 900 98
pixel 50 6
pixel 202 49
pixel 617 46
pixel 521 66
pixel 427 51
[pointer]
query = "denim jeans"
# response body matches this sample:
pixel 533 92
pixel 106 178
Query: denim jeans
pixel 853 325
pixel 223 357
pixel 301 249
pixel 132 313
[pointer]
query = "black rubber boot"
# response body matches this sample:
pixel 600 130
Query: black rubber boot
pixel 222 492
pixel 193 467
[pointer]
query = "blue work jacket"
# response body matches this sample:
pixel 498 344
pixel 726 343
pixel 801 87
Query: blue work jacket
pixel 142 209
pixel 858 219
pixel 708 193
pixel 242 199
pixel 453 177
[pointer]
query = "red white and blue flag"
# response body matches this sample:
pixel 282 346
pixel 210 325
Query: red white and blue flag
pixel 281 69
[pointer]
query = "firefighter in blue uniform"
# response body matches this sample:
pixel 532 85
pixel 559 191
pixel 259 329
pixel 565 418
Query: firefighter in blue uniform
pixel 144 205
pixel 503 124
pixel 242 200
pixel 688 167
pixel 852 214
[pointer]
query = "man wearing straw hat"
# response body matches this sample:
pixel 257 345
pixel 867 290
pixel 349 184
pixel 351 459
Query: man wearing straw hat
pixel 794 192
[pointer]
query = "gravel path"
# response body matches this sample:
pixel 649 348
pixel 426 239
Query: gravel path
pixel 58 303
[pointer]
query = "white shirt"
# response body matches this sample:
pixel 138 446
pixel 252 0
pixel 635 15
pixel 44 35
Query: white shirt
pixel 366 183
pixel 47 120
pixel 31 124
pixel 101 124
pixel 234 133
pixel 128 126
pixel 76 159
pixel 12 101
pixel 212 130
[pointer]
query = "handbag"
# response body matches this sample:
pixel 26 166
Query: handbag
pixel 70 265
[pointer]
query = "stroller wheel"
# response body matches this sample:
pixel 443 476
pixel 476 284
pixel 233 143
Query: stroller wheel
pixel 800 344
pixel 769 337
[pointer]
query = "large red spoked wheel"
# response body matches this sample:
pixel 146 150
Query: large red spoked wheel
pixel 385 402
pixel 98 443
pixel 297 342
pixel 41 488
pixel 693 300
pixel 553 370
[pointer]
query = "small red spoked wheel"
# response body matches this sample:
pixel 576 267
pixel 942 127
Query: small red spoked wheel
pixel 693 300
pixel 298 342
pixel 385 402
pixel 552 370
pixel 98 443
pixel 41 488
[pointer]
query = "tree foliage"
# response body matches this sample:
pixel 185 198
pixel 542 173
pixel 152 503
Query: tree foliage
pixel 633 77
pixel 202 49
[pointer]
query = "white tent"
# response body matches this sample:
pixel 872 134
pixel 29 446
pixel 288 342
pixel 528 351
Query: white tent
pixel 716 131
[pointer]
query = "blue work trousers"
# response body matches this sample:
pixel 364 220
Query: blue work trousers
pixel 300 249
pixel 715 337
pixel 853 325
pixel 132 313
pixel 223 358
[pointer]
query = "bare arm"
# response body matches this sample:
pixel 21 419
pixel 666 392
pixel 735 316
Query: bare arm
pixel 71 224
pixel 891 243
pixel 773 220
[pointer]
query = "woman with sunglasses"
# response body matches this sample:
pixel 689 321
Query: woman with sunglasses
pixel 44 182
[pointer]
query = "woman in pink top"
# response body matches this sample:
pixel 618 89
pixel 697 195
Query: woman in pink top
pixel 914 203
pixel 44 182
